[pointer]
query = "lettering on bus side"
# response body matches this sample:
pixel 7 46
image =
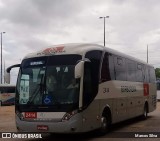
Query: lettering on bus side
pixel 128 89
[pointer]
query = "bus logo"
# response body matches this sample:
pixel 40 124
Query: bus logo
pixel 30 115
pixel 42 127
pixel 54 50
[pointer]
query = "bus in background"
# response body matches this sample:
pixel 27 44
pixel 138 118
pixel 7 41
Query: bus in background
pixel 158 90
pixel 7 94
pixel 107 87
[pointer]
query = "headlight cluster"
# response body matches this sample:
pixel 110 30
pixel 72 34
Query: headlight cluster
pixel 68 115
pixel 20 115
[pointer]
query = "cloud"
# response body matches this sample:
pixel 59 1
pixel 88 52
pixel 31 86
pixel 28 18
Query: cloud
pixel 31 25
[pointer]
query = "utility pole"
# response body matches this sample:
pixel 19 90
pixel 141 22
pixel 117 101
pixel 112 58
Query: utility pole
pixel 4 71
pixel 1 56
pixel 147 53
pixel 104 28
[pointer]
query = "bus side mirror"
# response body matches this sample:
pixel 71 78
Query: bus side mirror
pixel 79 69
pixel 7 77
pixel 7 73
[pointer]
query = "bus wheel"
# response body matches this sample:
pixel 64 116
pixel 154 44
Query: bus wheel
pixel 105 124
pixel 145 112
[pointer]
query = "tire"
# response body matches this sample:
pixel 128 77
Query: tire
pixel 0 103
pixel 105 124
pixel 145 112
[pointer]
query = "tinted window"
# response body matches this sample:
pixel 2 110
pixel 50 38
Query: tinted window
pixel 139 73
pixel 95 58
pixel 146 74
pixel 120 68
pixel 152 78
pixel 131 70
pixel 7 89
pixel 107 71
pixel 63 60
pixel 158 85
pixel 88 95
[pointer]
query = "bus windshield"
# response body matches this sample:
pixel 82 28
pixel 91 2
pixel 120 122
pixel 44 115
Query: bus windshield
pixel 48 82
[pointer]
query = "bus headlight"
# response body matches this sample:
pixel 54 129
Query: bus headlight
pixel 68 115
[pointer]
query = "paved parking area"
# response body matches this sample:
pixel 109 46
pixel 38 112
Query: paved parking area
pixel 137 125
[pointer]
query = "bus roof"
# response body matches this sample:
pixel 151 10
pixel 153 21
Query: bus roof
pixel 78 48
pixel 62 49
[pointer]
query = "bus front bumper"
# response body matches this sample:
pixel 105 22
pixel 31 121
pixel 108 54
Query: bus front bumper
pixel 74 125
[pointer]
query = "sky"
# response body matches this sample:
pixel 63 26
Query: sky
pixel 32 25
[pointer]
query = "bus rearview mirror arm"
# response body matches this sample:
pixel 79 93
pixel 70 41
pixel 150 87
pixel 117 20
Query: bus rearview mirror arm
pixel 7 73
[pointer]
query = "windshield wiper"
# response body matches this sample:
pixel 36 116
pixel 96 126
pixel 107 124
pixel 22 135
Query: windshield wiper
pixel 40 89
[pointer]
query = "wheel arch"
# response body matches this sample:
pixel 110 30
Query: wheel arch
pixel 107 112
pixel 146 105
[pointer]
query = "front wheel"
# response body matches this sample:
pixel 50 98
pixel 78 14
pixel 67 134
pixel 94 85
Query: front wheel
pixel 105 124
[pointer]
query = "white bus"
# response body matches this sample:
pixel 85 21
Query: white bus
pixel 107 87
pixel 7 94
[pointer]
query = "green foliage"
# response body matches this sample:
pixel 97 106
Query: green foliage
pixel 157 71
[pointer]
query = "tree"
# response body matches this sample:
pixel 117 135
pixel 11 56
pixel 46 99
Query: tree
pixel 157 71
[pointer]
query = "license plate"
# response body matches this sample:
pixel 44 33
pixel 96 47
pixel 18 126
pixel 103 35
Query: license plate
pixel 42 127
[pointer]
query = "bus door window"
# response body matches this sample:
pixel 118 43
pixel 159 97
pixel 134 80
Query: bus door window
pixel 95 58
pixel 94 69
pixel 87 85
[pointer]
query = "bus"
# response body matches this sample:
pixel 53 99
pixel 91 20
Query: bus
pixel 7 94
pixel 158 90
pixel 107 87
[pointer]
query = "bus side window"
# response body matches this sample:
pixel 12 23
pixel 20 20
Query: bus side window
pixel 1 90
pixel 146 78
pixel 120 68
pixel 158 85
pixel 152 77
pixel 107 71
pixel 139 73
pixel 131 70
